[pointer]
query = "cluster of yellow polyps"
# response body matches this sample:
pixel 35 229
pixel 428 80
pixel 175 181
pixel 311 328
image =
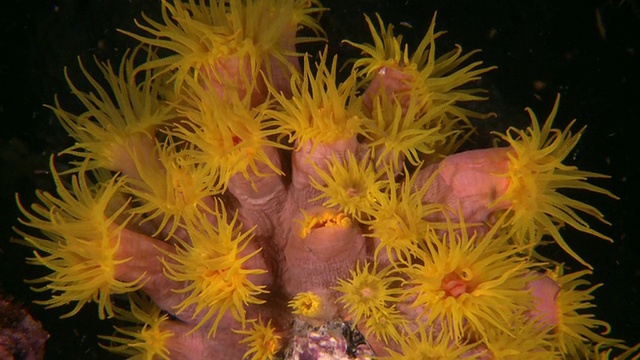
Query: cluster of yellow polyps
pixel 219 179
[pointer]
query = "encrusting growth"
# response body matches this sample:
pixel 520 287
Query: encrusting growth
pixel 252 204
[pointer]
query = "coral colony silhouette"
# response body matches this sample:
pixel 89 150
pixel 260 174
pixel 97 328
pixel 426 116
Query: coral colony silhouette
pixel 228 197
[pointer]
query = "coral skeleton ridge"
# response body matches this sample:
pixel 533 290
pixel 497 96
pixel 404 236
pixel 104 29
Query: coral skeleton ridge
pixel 230 197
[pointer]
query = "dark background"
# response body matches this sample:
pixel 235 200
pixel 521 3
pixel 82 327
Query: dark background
pixel 541 48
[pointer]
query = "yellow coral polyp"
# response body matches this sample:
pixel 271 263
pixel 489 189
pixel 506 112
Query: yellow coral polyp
pixel 171 189
pixel 225 135
pixel 386 325
pixel 213 268
pixel 351 186
pixel 402 132
pixel 372 295
pixel 83 238
pixel 115 117
pixel 146 341
pixel 306 304
pixel 326 219
pixel 262 340
pixel 320 111
pixel 462 281
pixel 438 79
pixel 424 344
pixel 397 220
pixel 574 334
pixel 205 35
pixel 536 173
pixel 525 341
